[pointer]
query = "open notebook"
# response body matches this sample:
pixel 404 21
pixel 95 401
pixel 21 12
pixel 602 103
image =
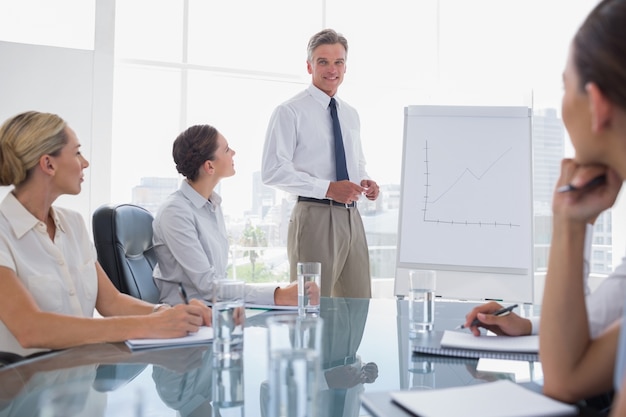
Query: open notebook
pixel 202 337
pixel 492 399
pixel 466 345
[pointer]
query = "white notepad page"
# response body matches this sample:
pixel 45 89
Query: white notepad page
pixel 204 335
pixel 491 399
pixel 452 339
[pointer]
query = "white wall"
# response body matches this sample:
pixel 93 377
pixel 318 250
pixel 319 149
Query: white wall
pixel 76 84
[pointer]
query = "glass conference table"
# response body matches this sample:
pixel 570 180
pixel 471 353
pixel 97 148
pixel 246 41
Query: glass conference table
pixel 109 380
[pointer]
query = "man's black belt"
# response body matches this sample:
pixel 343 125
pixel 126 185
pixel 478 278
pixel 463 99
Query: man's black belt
pixel 327 202
pixel 348 360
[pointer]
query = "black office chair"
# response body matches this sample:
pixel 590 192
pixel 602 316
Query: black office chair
pixel 8 358
pixel 123 239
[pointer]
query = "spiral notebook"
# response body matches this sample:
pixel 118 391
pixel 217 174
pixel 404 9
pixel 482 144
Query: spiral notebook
pixel 466 345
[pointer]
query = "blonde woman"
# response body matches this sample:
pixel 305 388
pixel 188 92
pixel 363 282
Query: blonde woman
pixel 50 280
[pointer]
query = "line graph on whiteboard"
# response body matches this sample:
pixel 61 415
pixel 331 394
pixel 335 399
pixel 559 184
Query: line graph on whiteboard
pixel 466 195
pixel 447 188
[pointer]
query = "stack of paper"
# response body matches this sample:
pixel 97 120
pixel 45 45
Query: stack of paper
pixel 203 336
pixel 493 399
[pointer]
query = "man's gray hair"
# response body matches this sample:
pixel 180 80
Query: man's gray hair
pixel 325 37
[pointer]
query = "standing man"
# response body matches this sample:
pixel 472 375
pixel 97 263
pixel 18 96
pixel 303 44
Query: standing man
pixel 313 151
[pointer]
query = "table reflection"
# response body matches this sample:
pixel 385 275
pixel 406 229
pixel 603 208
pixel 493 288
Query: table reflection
pixel 56 393
pixel 344 371
pixel 189 393
pixel 365 348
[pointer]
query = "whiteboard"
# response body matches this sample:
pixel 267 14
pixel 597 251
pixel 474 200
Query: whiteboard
pixel 466 201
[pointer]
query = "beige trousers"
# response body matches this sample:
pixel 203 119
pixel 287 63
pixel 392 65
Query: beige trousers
pixel 334 236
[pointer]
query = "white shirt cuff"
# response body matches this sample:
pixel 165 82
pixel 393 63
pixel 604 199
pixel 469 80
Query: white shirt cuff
pixel 534 325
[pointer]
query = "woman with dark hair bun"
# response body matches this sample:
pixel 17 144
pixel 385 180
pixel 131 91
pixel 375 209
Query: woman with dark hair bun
pixel 190 238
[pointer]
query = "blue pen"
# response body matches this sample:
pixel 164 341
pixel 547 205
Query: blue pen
pixel 502 312
pixel 183 293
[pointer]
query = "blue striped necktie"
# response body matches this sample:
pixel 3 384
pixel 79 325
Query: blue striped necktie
pixel 340 153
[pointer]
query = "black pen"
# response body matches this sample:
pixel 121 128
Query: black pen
pixel 502 312
pixel 599 180
pixel 183 293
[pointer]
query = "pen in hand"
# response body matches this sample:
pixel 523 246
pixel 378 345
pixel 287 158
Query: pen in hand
pixel 502 312
pixel 599 180
pixel 183 293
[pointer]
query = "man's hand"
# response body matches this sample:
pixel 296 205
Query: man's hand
pixel 371 189
pixel 344 191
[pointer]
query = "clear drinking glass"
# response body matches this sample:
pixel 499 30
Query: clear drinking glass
pixel 421 301
pixel 309 284
pixel 228 318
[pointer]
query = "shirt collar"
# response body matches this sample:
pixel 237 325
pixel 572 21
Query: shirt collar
pixel 20 219
pixel 198 200
pixel 321 97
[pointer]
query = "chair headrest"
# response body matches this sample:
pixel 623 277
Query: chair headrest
pixel 133 228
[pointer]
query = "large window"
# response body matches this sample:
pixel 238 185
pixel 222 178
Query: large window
pixel 179 63
pixel 230 63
